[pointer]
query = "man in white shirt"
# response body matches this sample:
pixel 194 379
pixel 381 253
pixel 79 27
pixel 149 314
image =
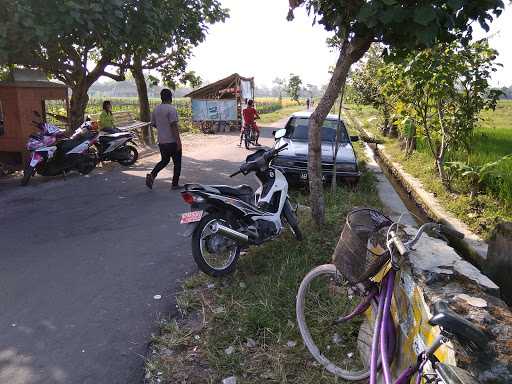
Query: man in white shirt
pixel 165 119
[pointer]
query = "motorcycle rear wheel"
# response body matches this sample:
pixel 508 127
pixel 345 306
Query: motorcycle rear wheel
pixel 86 166
pixel 212 263
pixel 134 156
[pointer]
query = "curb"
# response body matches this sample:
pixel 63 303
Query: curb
pixel 473 246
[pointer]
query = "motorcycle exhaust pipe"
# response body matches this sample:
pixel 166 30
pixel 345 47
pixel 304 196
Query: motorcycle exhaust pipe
pixel 229 233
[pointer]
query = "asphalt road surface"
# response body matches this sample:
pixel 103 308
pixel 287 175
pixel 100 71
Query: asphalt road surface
pixel 81 260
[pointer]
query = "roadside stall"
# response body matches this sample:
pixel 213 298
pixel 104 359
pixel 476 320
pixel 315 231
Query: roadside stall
pixel 217 107
pixel 21 95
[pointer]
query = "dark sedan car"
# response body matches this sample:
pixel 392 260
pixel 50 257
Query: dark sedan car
pixel 293 161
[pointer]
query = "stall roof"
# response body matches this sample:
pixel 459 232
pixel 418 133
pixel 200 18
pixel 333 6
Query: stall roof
pixel 208 90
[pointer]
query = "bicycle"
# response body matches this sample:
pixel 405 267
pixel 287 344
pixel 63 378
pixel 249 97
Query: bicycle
pixel 338 334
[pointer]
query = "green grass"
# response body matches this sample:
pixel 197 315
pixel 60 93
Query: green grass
pixel 257 302
pixel 279 114
pixel 492 140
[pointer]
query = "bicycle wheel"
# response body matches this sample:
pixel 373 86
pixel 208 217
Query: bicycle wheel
pixel 343 349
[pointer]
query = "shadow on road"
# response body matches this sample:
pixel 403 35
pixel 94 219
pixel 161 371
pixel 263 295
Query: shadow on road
pixel 81 261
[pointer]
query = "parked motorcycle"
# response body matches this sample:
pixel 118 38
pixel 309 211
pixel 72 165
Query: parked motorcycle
pixel 224 219
pixel 52 154
pixel 111 146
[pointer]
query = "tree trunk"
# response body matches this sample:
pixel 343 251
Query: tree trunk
pixel 385 128
pixel 336 143
pixel 78 105
pixel 350 52
pixel 142 91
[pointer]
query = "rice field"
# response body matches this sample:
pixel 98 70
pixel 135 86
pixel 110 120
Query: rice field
pixel 183 105
pixel 491 141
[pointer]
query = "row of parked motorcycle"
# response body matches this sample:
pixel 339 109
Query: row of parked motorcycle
pixel 53 153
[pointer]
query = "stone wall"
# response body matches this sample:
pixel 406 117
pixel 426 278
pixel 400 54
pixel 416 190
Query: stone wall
pixel 435 272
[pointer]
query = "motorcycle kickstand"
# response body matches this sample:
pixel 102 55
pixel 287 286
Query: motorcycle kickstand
pixel 64 174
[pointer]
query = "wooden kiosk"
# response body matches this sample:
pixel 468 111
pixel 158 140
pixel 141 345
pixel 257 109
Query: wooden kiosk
pixel 25 92
pixel 218 106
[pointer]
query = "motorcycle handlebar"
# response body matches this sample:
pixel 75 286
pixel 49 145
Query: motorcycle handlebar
pixel 234 174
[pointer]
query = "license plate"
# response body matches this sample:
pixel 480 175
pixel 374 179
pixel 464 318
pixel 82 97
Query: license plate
pixel 191 217
pixel 304 176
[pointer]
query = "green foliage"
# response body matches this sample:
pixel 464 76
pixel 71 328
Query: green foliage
pixel 480 177
pixel 439 91
pixel 65 38
pixel 294 86
pixel 403 25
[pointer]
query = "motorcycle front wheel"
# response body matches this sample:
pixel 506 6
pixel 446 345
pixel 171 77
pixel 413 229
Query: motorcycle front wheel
pixel 213 253
pixel 133 156
pixel 27 174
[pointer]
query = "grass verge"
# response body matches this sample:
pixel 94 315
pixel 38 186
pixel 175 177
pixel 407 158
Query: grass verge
pixel 268 118
pixel 244 325
pixel 479 213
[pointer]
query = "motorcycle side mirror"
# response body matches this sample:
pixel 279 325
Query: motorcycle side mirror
pixel 354 138
pixel 280 134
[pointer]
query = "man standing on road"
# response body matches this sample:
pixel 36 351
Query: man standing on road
pixel 165 119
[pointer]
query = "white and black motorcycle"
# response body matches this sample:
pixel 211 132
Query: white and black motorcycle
pixel 224 219
pixel 112 146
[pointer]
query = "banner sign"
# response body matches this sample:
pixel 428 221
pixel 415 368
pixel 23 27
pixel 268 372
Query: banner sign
pixel 214 110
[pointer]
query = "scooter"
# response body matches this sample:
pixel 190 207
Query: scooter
pixel 224 220
pixel 111 146
pixel 52 154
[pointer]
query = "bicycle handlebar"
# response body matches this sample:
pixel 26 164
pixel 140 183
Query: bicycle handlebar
pixel 450 232
pixel 400 246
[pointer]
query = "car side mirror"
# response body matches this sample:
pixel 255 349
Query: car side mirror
pixel 280 134
pixel 354 138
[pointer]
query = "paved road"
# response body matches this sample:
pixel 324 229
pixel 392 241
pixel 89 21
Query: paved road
pixel 82 258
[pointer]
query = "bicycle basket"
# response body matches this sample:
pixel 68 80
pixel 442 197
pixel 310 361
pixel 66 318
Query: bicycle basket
pixel 353 257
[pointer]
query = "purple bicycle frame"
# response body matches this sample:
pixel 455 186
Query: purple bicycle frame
pixel 384 337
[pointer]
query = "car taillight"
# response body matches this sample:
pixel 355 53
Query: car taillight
pixel 188 197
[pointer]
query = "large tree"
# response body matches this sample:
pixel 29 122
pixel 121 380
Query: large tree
pixel 400 25
pixel 294 86
pixel 165 45
pixel 78 42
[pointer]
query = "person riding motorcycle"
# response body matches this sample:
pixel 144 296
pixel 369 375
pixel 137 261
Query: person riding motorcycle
pixel 250 115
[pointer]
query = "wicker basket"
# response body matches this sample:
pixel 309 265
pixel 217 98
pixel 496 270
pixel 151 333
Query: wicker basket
pixel 352 256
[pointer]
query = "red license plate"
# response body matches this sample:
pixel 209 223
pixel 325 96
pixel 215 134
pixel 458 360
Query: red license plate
pixel 191 217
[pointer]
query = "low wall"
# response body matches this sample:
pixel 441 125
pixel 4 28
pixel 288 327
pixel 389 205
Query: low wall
pixel 433 272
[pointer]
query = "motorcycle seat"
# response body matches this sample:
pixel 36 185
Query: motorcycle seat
pixel 455 324
pixel 243 192
pixel 68 144
pixel 114 136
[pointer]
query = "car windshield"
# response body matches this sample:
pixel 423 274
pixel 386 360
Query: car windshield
pixel 298 129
